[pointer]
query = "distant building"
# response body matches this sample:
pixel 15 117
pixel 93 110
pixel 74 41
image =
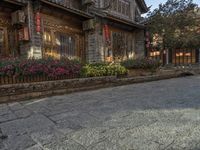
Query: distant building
pixel 175 56
pixel 93 31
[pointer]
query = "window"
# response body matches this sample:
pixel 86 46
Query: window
pixel 76 4
pixel 2 46
pixel 70 3
pixel 184 56
pixel 58 45
pixel 122 45
pixel 66 45
pixel 122 7
pixel 48 44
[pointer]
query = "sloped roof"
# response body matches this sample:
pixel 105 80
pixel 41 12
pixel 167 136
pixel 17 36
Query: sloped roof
pixel 69 9
pixel 19 3
pixel 142 5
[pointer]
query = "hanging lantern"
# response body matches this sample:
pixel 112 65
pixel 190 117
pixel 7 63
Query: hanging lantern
pixel 107 33
pixel 38 22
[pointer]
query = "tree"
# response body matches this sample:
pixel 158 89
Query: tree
pixel 176 22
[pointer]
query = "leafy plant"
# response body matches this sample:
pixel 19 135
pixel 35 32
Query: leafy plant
pixel 141 63
pixel 96 70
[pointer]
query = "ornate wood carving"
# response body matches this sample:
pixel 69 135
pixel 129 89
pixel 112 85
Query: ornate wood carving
pixel 60 25
pixel 56 31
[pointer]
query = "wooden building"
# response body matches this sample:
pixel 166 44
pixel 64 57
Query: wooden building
pixel 175 57
pixel 93 31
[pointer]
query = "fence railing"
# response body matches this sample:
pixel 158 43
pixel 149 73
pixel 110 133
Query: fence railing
pixel 30 79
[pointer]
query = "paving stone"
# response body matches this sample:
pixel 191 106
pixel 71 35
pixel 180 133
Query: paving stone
pixel 18 142
pixel 161 115
pixel 23 113
pixel 47 136
pixel 87 137
pixel 35 147
pixel 8 116
pixel 64 144
pixel 34 123
pixel 105 145
pixel 15 106
pixel 4 109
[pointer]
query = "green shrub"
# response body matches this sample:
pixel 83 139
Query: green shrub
pixel 141 63
pixel 97 70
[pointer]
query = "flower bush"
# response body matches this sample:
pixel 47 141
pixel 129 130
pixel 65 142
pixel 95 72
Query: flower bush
pixel 53 69
pixel 102 69
pixel 141 63
pixel 30 67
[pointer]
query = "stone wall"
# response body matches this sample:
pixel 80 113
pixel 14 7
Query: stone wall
pixel 31 48
pixel 95 44
pixel 36 40
pixel 26 91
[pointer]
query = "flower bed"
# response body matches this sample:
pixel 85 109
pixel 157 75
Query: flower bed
pixel 35 70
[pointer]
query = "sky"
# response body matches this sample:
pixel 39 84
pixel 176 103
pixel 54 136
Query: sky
pixel 155 3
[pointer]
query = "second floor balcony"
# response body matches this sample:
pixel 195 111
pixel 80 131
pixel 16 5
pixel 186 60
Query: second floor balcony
pixel 118 8
pixel 74 4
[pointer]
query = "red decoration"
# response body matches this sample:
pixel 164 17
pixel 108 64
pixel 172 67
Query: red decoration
pixel 38 22
pixel 107 33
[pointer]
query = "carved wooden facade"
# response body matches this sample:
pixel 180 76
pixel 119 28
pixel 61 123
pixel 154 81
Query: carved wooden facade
pixel 73 29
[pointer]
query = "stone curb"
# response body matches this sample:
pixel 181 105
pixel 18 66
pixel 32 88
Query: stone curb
pixel 27 91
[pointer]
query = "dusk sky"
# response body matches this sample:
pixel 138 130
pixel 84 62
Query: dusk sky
pixel 155 3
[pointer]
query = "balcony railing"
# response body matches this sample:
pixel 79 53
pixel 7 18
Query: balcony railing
pixel 75 4
pixel 21 1
pixel 118 8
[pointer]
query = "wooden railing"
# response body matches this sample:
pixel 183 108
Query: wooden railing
pixel 77 4
pixel 118 8
pixel 22 1
pixel 29 79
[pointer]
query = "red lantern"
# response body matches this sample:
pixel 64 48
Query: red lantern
pixel 38 22
pixel 38 29
pixel 107 33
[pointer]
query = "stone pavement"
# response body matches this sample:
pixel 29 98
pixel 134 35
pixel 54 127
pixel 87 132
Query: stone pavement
pixel 161 115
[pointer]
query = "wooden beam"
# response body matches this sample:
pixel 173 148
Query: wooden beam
pixel 73 11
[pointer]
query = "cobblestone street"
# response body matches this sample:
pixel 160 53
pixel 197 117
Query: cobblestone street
pixel 157 115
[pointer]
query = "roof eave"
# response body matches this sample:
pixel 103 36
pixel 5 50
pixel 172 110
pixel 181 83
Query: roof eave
pixel 74 11
pixel 15 2
pixel 143 6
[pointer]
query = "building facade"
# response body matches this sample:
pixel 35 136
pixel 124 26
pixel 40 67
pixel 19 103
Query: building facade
pixel 177 57
pixel 93 31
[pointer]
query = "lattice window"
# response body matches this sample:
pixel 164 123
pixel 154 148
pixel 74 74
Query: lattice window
pixel 115 5
pixel 122 45
pixel 66 45
pixel 121 7
pixel 184 56
pixel 57 44
pixel 2 41
pixel 76 4
pixel 69 3
pixel 48 43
